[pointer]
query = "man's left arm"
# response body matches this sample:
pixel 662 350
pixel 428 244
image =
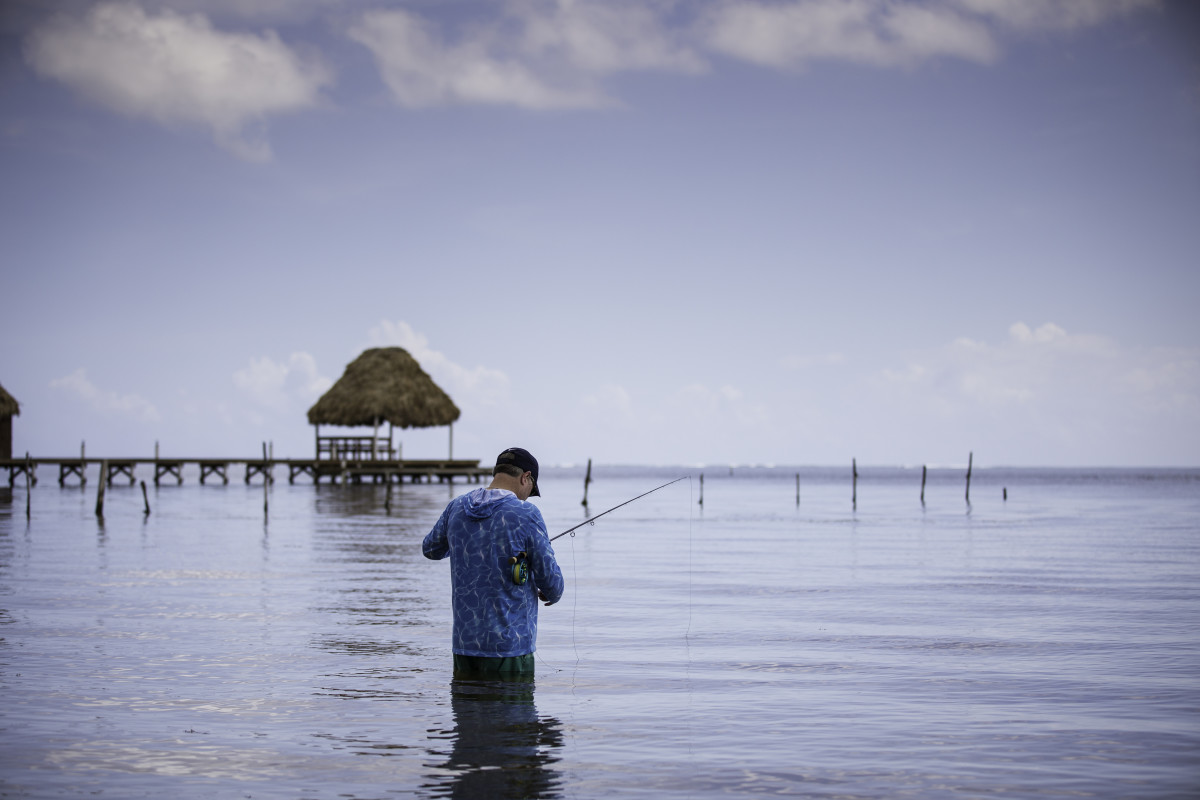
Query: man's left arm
pixel 546 575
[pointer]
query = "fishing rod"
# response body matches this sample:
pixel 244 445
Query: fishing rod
pixel 614 508
pixel 520 568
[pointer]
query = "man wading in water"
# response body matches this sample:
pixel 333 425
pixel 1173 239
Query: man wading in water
pixel 501 562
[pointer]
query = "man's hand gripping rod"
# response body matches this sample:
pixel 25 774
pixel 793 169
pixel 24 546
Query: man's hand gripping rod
pixel 614 508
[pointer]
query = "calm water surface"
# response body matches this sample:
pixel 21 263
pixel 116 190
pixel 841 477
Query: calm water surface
pixel 1043 646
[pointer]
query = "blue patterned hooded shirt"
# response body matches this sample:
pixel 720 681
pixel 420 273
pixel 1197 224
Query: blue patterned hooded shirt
pixel 494 617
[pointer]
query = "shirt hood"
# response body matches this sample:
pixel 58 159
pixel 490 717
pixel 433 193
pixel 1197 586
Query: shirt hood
pixel 482 503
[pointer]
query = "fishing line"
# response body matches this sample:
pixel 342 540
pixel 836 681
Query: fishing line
pixel 688 633
pixel 687 636
pixel 575 569
pixel 574 603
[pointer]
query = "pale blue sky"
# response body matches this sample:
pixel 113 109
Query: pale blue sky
pixel 646 232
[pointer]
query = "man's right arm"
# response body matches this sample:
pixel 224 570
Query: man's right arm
pixel 436 545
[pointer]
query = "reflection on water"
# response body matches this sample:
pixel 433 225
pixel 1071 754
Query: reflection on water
pixel 499 747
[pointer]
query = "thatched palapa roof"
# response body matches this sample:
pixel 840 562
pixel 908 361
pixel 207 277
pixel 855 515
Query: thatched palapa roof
pixel 384 384
pixel 9 407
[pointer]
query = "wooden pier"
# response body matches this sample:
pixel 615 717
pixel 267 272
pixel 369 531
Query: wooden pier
pixel 337 471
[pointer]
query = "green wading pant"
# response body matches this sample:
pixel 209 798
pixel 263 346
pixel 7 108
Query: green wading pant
pixel 478 666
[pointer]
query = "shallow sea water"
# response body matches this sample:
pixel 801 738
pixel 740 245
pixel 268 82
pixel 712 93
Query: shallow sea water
pixel 1045 646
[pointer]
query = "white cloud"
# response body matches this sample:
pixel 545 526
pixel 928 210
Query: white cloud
pixel 422 70
pixel 724 406
pixel 106 402
pixel 606 409
pixel 537 54
pixel 277 386
pixel 610 397
pixel 1020 332
pixel 603 37
pixel 1034 15
pixel 173 65
pixel 889 34
pixel 176 68
pixel 478 386
pixel 862 31
pixel 1046 389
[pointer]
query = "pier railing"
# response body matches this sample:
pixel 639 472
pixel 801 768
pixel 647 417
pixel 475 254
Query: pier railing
pixel 344 470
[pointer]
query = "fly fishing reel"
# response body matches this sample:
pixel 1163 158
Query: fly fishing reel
pixel 520 569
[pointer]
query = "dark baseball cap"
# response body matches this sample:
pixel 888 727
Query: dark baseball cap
pixel 522 460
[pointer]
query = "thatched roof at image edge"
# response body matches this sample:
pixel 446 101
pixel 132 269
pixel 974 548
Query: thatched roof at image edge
pixel 384 384
pixel 9 407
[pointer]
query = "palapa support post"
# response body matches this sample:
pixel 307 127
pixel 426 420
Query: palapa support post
pixel 924 470
pixel 1006 494
pixel 145 498
pixel 28 491
pixel 701 489
pixel 82 463
pixel 586 480
pixel 100 491
pixel 854 484
pixel 970 458
pixel 387 499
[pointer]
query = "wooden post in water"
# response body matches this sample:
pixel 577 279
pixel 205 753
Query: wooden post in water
pixel 970 458
pixel 387 499
pixel 28 492
pixel 100 491
pixel 1006 494
pixel 854 484
pixel 701 489
pixel 586 480
pixel 797 489
pixel 266 479
pixel 145 498
pixel 924 470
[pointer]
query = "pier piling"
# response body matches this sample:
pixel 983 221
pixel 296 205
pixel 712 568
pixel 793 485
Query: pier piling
pixel 586 480
pixel 100 491
pixel 854 484
pixel 970 458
